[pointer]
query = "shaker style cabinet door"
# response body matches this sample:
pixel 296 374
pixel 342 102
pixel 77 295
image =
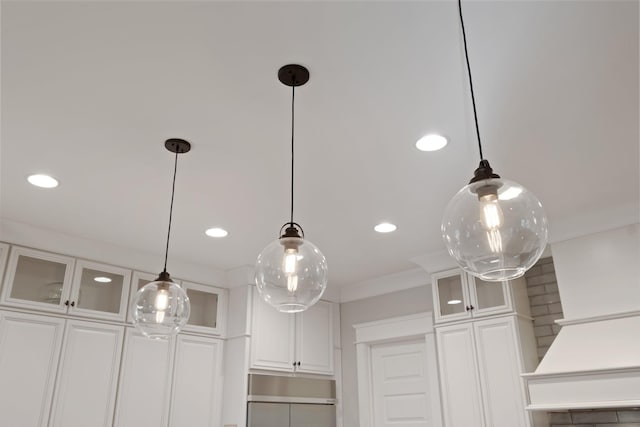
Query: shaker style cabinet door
pixel 314 339
pixel 196 398
pixel 145 381
pixel 29 354
pixel 37 279
pixel 88 375
pixel 459 382
pixel 500 369
pixel 272 337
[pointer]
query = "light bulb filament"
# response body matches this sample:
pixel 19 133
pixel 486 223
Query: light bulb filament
pixel 290 260
pixel 292 282
pixel 490 213
pixel 162 300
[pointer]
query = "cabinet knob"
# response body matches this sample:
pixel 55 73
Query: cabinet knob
pixel 471 307
pixel 66 303
pixel 298 363
pixel 73 303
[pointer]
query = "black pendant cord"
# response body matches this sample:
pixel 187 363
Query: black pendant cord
pixel 293 99
pixel 173 191
pixel 473 98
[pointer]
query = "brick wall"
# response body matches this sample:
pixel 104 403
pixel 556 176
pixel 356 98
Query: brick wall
pixel 544 300
pixel 597 418
pixel 546 307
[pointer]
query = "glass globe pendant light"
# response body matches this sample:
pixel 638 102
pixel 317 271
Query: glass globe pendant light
pixel 161 308
pixel 291 272
pixel 494 228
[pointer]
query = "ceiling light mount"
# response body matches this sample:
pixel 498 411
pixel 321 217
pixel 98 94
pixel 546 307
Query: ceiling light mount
pixel 177 145
pixel 293 75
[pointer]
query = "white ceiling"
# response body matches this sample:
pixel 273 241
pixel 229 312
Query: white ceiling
pixel 90 91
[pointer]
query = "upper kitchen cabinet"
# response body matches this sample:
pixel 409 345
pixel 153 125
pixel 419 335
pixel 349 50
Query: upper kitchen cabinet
pixel 459 296
pixel 99 291
pixel 208 309
pixel 37 279
pixel 208 304
pixel 300 342
pixel 52 282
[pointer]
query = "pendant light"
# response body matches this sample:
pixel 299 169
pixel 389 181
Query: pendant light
pixel 291 272
pixel 494 228
pixel 161 308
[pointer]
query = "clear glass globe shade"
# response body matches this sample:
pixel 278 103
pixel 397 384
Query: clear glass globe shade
pixel 496 236
pixel 291 280
pixel 160 309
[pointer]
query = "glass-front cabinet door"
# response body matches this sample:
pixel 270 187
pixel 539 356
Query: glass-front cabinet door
pixel 451 295
pixel 37 279
pixel 489 297
pixel 208 308
pixel 138 280
pixel 99 290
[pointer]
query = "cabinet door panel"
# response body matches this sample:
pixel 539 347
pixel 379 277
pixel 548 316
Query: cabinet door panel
pixel 145 381
pixel 29 353
pixel 208 309
pixel 100 290
pixel 88 373
pixel 451 296
pixel 314 339
pixel 489 297
pixel 499 368
pixel 272 337
pixel 462 401
pixel 37 279
pixel 197 382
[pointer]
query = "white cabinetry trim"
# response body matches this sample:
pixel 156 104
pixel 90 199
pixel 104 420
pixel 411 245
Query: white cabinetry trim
pixel 389 330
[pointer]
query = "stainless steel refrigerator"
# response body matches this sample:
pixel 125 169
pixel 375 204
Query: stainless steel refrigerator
pixel 279 401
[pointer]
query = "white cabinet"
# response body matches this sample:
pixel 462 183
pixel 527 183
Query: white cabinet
pixel 461 296
pixel 29 354
pixel 87 377
pixel 300 342
pixel 46 281
pixel 208 309
pixel 99 291
pixel 197 382
pixel 480 366
pixel 37 279
pixel 208 304
pixel 145 381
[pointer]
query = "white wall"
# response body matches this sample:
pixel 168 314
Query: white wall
pixel 409 301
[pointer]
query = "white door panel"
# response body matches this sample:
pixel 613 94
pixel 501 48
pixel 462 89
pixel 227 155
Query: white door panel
pixel 400 385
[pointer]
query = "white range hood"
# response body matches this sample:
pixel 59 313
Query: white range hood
pixel 594 362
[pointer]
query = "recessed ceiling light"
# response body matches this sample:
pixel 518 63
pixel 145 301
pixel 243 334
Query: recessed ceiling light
pixel 102 279
pixel 454 301
pixel 431 142
pixel 385 227
pixel 44 181
pixel 216 232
